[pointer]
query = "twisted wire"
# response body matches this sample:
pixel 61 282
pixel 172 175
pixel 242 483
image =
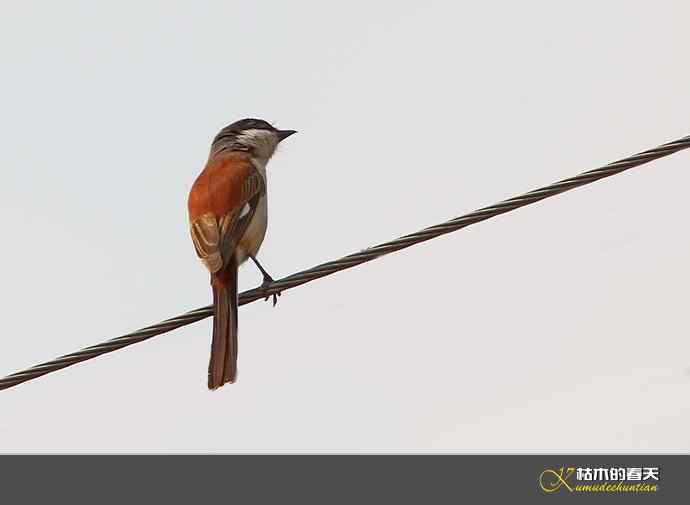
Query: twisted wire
pixel 350 261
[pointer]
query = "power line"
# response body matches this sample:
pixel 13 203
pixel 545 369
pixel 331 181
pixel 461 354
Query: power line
pixel 350 261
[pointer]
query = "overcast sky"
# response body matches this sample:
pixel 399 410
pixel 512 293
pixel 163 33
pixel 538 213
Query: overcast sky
pixel 559 327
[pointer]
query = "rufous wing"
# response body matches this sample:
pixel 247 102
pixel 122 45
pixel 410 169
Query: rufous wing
pixel 221 204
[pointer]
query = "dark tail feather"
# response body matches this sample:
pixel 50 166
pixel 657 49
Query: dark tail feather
pixel 222 367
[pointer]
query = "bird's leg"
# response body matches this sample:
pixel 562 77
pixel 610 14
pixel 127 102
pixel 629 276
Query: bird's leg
pixel 267 280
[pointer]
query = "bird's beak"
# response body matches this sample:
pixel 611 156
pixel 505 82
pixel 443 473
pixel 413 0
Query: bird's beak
pixel 283 134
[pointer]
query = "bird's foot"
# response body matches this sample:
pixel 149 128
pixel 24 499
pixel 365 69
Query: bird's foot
pixel 264 286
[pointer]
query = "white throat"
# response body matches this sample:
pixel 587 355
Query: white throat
pixel 264 144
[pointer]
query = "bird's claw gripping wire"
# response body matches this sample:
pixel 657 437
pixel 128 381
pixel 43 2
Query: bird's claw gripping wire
pixel 264 286
pixel 268 280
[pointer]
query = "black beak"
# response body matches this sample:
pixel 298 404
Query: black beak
pixel 283 134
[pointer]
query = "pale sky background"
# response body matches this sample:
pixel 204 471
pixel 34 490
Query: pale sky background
pixel 559 327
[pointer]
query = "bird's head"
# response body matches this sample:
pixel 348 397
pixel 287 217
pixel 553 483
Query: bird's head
pixel 255 136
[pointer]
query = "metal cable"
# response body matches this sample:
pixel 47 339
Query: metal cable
pixel 350 261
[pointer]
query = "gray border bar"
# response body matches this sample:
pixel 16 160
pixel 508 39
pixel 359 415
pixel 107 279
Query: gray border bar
pixel 300 479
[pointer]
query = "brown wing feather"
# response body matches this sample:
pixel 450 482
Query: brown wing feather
pixel 215 205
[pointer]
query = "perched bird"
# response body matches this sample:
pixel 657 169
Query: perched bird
pixel 228 215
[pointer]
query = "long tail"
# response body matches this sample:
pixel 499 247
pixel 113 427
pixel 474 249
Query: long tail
pixel 222 367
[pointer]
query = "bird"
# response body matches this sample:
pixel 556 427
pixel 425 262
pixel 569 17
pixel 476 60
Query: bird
pixel 228 217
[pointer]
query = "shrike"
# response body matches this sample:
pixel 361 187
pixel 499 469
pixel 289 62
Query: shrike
pixel 228 216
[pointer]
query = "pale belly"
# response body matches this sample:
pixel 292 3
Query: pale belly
pixel 256 231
